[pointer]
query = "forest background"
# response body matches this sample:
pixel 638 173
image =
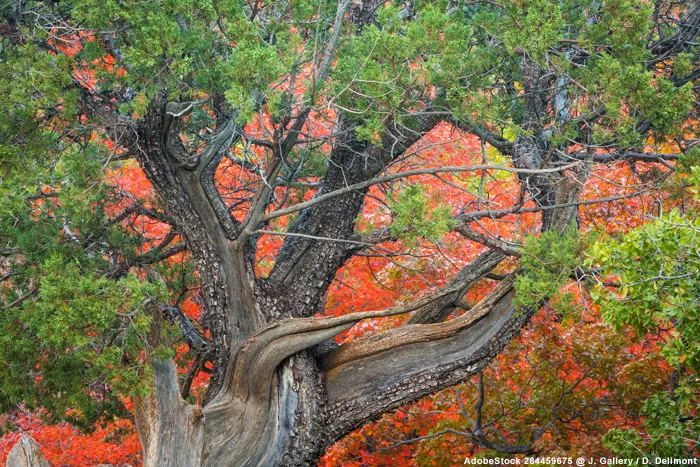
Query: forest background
pixel 552 146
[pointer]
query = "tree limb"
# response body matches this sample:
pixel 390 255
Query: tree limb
pixel 468 232
pixel 441 308
pixel 413 333
pixel 364 388
pixel 504 146
pixel 408 173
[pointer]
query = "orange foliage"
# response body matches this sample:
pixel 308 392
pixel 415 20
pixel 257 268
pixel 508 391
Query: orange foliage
pixel 63 445
pixel 377 281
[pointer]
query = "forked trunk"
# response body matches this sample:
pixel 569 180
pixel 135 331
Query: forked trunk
pixel 257 431
pixel 271 401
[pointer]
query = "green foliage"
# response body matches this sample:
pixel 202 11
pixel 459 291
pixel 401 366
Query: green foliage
pixel 413 219
pixel 73 337
pixel 653 98
pixel 683 64
pixel 547 263
pixel 695 181
pixel 72 341
pixel 689 160
pixel 34 85
pixel 541 24
pixel 668 429
pixel 657 267
pixel 79 341
pixel 622 26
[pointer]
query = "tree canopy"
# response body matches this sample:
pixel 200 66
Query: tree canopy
pixel 189 189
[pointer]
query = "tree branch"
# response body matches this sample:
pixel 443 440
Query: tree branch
pixel 362 389
pixel 190 333
pixel 468 232
pixel 504 146
pixel 408 173
pixel 626 156
pixel 298 275
pixel 680 41
pixel 206 171
pixel 413 333
pixel 499 213
pixel 466 278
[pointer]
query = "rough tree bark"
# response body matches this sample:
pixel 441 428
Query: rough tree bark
pixel 273 401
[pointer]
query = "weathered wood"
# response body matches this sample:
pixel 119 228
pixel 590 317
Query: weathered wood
pixel 364 388
pixel 270 404
pixel 171 431
pixel 26 453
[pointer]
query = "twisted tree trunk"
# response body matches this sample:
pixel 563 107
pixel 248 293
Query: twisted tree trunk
pixel 276 396
pixel 271 402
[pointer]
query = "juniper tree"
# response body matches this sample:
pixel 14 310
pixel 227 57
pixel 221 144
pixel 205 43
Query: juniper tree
pixel 90 313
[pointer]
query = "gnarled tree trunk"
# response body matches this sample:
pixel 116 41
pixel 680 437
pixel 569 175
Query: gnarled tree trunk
pixel 281 391
pixel 272 402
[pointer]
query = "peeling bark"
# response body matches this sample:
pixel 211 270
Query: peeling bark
pixel 272 399
pixel 227 289
pixel 364 388
pixel 271 402
pixel 171 431
pixel 412 333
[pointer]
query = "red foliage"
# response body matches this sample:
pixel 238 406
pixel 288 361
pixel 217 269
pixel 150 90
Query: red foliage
pixel 63 445
pixel 379 281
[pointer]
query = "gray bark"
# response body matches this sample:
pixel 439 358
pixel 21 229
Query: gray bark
pixel 270 401
pixel 26 453
pixel 365 388
pixel 170 430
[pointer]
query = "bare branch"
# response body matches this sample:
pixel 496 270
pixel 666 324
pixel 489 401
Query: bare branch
pixel 494 243
pixel 440 309
pixel 627 156
pixel 414 333
pixel 407 173
pixel 498 213
pixel 190 333
pixel 504 146
pixel 33 291
pixel 680 41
